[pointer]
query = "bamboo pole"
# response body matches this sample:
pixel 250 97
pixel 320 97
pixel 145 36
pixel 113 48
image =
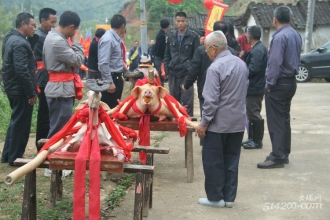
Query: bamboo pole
pixel 33 164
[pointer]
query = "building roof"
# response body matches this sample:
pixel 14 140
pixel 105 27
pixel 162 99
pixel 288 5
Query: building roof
pixel 263 14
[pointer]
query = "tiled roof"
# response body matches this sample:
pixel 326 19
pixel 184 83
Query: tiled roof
pixel 263 14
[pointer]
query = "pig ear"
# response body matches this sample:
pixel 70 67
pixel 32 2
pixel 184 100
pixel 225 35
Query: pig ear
pixel 81 105
pixel 135 92
pixel 105 106
pixel 162 92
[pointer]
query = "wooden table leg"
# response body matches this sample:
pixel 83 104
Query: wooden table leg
pixel 190 157
pixel 59 186
pixel 138 202
pixel 185 149
pixel 147 187
pixel 29 205
pixel 53 188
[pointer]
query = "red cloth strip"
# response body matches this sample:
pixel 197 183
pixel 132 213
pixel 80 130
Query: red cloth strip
pixel 66 77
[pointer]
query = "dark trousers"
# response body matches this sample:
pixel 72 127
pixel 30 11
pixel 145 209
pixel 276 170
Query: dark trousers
pixel 158 64
pixel 184 98
pixel 201 102
pixel 19 128
pixel 278 104
pixel 43 117
pixel 60 112
pixel 220 157
pixel 111 98
pixel 253 107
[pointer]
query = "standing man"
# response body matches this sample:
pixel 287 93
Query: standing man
pixel 92 62
pixel 18 68
pixel 160 46
pixel 62 61
pixel 179 52
pixel 283 63
pixel 151 50
pixel 47 19
pixel 223 120
pixel 133 56
pixel 111 64
pixel 256 60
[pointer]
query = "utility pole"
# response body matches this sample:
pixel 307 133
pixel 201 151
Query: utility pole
pixel 309 25
pixel 143 27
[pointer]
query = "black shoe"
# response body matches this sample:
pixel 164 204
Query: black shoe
pixel 285 161
pixel 246 142
pixel 269 164
pixel 4 160
pixel 11 164
pixel 253 145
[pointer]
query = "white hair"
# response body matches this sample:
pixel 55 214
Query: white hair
pixel 218 39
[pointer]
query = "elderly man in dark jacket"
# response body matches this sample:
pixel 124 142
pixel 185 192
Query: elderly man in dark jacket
pixel 256 60
pixel 18 68
pixel 180 47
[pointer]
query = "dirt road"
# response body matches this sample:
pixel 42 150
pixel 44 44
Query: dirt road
pixel 298 191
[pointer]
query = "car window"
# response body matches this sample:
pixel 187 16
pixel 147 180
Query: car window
pixel 327 46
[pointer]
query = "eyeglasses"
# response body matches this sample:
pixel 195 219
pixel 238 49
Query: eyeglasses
pixel 210 47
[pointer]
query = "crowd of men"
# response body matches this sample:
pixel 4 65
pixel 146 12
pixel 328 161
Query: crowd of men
pixel 233 76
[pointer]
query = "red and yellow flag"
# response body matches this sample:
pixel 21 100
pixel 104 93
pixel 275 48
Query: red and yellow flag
pixel 216 14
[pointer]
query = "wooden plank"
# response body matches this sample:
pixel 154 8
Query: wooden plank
pixel 29 205
pixel 134 168
pixel 155 150
pixel 138 202
pixel 190 158
pixel 166 125
pixel 128 168
pixel 59 186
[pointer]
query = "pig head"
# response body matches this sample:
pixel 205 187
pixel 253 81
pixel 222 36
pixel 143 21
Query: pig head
pixel 151 98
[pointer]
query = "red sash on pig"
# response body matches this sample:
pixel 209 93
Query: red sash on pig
pixel 144 125
pixel 91 151
pixel 66 77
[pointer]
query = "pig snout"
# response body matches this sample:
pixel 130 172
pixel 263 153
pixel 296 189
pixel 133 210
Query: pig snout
pixel 147 96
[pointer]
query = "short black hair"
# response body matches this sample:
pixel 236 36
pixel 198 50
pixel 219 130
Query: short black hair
pixel 181 14
pixel 220 26
pixel 283 14
pixel 45 12
pixel 255 32
pixel 23 16
pixel 246 28
pixel 136 41
pixel 117 21
pixel 69 18
pixel 164 23
pixel 99 32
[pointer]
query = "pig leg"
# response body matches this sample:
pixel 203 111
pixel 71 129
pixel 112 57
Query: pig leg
pixel 78 137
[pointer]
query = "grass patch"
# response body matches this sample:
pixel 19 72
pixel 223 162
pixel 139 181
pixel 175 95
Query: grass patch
pixel 11 198
pixel 115 196
pixel 158 138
